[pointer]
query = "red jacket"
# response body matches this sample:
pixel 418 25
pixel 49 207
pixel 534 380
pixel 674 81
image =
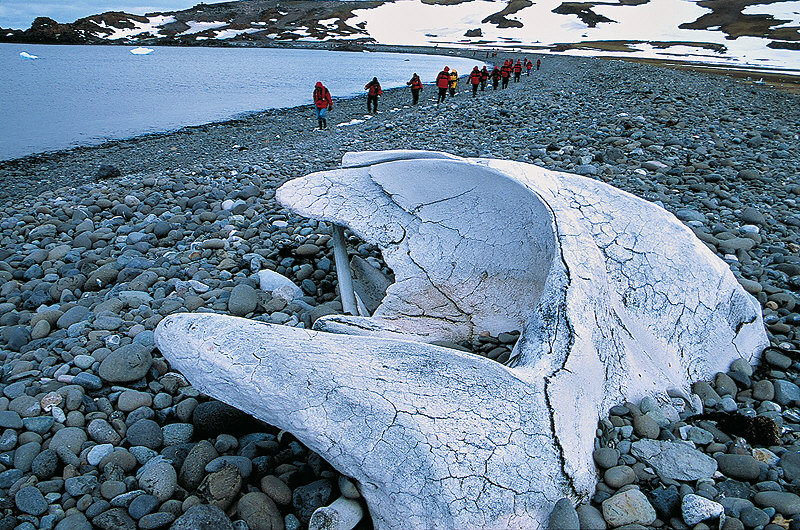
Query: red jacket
pixel 415 83
pixel 475 77
pixel 374 88
pixel 496 73
pixel 517 67
pixel 322 97
pixel 505 71
pixel 443 79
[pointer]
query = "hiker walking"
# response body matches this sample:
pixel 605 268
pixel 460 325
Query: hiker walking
pixel 538 63
pixel 453 82
pixel 505 73
pixel 416 87
pixel 495 75
pixel 475 80
pixel 442 82
pixel 322 102
pixel 374 92
pixel 528 66
pixel 517 71
pixel 484 78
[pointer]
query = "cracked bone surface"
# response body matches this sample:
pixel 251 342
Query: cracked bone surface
pixel 615 299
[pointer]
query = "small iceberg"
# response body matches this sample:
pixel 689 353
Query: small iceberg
pixel 26 55
pixel 141 51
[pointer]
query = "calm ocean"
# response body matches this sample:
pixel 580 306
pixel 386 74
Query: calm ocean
pixel 85 95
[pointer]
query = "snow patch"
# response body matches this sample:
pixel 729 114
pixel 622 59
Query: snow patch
pixel 231 33
pixel 198 27
pixel 152 26
pixel 349 123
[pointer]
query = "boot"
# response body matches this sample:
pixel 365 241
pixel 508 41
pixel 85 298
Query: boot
pixel 324 123
pixel 320 120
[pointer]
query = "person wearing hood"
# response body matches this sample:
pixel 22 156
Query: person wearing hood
pixel 453 82
pixel 322 102
pixel 374 91
pixel 416 87
pixel 495 75
pixel 475 80
pixel 442 82
pixel 517 71
pixel 484 77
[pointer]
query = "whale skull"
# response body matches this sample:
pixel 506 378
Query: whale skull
pixel 615 298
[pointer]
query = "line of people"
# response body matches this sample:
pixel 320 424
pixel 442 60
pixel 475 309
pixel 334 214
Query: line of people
pixel 446 81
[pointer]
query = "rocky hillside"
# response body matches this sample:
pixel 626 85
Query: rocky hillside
pixel 706 30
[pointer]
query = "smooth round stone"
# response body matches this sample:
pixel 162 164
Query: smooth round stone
pixel 158 478
pixel 142 505
pixel 26 406
pixel 763 390
pixel 130 400
pixel 147 433
pixel 646 427
pixel 243 300
pixel 112 488
pixel 739 467
pixel 114 519
pixel 88 381
pixel 277 490
pixel 102 432
pixel 728 404
pixel 563 516
pixel 177 433
pixel 784 502
pixel 259 511
pixel 98 452
pixel 74 521
pixel 9 477
pixel 606 457
pixel 628 507
pixel 10 420
pixel 83 361
pixel 193 468
pixel 156 520
pixel 125 364
pixel 619 476
pixel 70 437
pixel 40 424
pixel 25 454
pixel 753 517
pixel 346 488
pixel 307 250
pixel 72 316
pixel 31 501
pixel 244 464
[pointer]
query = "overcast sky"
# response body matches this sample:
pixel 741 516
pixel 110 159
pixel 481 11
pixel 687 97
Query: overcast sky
pixel 19 14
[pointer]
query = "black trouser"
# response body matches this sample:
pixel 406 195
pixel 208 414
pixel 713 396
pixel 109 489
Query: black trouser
pixel 414 96
pixel 505 82
pixel 474 90
pixel 452 91
pixel 442 95
pixel 372 101
pixel 516 77
pixel 494 83
pixel 483 84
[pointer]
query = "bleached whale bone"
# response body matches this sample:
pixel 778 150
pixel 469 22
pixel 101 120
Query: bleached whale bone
pixel 616 300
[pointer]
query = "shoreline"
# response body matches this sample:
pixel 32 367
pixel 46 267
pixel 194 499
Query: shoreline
pixel 89 267
pixel 785 82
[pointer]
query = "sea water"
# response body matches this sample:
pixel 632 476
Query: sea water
pixel 85 95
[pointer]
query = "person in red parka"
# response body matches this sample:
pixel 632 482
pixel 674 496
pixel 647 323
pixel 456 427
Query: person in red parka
pixel 505 73
pixel 374 92
pixel 416 87
pixel 475 80
pixel 495 75
pixel 517 71
pixel 528 65
pixel 442 82
pixel 484 78
pixel 322 102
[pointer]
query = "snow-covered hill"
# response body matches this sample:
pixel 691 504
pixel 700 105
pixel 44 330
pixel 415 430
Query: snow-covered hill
pixel 728 32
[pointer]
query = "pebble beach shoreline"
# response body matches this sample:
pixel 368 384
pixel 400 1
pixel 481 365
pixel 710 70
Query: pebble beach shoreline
pixel 99 432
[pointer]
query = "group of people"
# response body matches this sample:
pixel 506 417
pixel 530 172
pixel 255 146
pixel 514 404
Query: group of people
pixel 446 81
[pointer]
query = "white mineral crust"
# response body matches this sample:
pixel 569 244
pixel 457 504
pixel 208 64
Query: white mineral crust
pixel 615 298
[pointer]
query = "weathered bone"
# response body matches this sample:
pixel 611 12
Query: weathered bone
pixel 616 300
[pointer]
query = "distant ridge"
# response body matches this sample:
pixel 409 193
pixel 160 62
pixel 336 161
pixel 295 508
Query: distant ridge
pixel 739 32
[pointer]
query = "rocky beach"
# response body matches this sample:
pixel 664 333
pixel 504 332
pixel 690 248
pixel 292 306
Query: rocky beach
pixel 99 244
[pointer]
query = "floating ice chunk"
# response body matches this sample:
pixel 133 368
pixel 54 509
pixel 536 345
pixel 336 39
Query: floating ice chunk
pixel 26 55
pixel 142 51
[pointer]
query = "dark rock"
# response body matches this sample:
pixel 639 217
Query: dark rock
pixel 308 498
pixel 203 517
pixel 107 171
